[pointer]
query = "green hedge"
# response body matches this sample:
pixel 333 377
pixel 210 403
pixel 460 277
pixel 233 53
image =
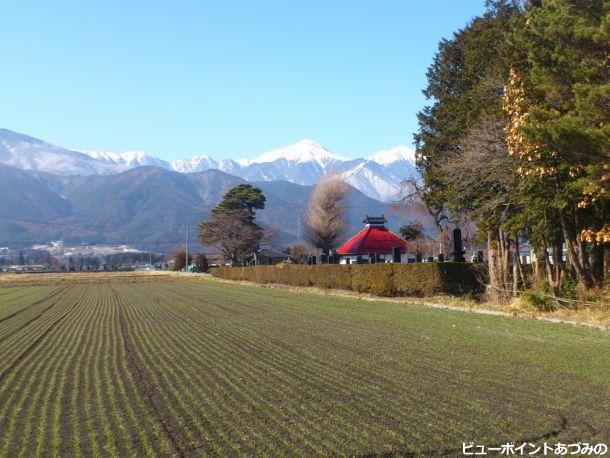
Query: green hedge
pixel 417 279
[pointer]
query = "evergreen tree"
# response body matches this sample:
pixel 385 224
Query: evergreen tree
pixel 465 85
pixel 232 226
pixel 244 198
pixel 516 137
pixel 460 146
pixel 557 98
pixel 202 263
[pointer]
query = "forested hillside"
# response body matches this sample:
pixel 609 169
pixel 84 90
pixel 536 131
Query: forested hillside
pixel 148 207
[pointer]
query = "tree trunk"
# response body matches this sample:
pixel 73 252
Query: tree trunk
pixel 505 255
pixel 495 295
pixel 583 277
pixel 597 264
pixel 581 245
pixel 519 271
pixel 557 267
pixel 535 265
pixel 553 269
pixel 516 275
pixel 539 265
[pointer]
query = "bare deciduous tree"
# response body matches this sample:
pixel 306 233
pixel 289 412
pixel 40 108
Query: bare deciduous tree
pixel 484 176
pixel 299 252
pixel 326 218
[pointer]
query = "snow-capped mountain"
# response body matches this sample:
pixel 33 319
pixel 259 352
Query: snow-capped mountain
pixel 308 156
pixel 303 163
pixel 373 180
pixel 29 153
pixel 386 171
pixel 379 176
pixel 203 163
pixel 400 154
pixel 303 152
pixel 128 160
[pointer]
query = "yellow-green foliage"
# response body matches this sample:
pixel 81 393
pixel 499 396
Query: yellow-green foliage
pixel 420 279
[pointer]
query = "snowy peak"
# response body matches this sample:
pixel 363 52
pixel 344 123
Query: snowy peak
pixel 194 164
pixel 379 176
pixel 128 159
pixel 390 156
pixel 202 163
pixel 113 158
pixel 300 153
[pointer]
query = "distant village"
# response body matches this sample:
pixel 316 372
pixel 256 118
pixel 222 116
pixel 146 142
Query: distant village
pixel 374 243
pixel 60 257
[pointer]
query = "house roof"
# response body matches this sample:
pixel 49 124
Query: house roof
pixel 373 239
pixel 271 253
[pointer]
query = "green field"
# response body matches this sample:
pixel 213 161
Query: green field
pixel 191 368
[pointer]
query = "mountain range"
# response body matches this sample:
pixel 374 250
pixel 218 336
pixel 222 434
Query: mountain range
pixel 51 193
pixel 149 207
pixel 378 176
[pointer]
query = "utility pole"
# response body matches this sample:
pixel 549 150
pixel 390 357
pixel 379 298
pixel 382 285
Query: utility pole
pixel 186 260
pixel 299 229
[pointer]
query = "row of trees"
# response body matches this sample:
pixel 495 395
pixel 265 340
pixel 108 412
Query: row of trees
pixel 232 226
pixel 516 138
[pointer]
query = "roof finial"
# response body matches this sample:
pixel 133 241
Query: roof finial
pixel 374 220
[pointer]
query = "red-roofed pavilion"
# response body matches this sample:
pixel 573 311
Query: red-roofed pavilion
pixel 375 241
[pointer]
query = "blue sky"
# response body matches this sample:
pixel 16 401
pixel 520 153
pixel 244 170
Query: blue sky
pixel 226 78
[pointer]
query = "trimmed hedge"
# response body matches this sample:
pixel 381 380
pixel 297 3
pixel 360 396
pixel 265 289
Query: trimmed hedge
pixel 416 279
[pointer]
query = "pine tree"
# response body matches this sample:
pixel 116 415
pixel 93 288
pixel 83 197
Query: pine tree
pixel 232 226
pixel 245 198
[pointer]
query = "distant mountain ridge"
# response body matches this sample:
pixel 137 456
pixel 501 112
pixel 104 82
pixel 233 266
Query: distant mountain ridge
pixel 148 207
pixel 378 176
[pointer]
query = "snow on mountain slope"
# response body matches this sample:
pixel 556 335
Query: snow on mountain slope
pixel 372 179
pixel 129 159
pixel 194 164
pixel 305 151
pixel 28 153
pixel 379 176
pixel 398 154
pixel 203 163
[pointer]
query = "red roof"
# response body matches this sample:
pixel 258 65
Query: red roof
pixel 373 239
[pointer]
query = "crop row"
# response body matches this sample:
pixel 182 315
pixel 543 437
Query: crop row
pixel 71 392
pixel 14 299
pixel 206 368
pixel 331 390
